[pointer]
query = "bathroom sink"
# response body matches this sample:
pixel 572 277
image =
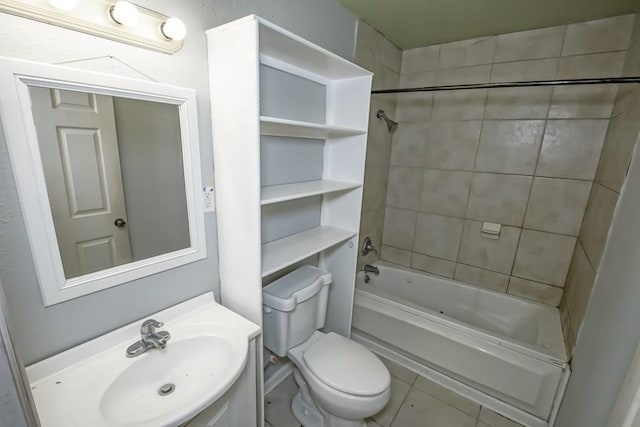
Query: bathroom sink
pixel 161 382
pixel 95 384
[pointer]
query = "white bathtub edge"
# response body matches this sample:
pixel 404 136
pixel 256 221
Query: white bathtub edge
pixel 464 390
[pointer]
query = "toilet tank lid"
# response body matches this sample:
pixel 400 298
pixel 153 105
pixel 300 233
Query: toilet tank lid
pixel 298 286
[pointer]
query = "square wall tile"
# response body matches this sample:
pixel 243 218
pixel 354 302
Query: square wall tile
pixel 621 139
pixel 385 78
pixel 375 188
pixel 533 44
pixel 571 148
pixel 499 198
pixel 433 265
pixel 438 236
pixel 582 102
pixel 367 39
pixel 460 105
pixel 396 256
pixel 603 35
pixel 518 103
pixel 415 107
pixel 452 144
pixel 597 221
pixel 399 228
pixel 580 282
pixel 591 66
pixel 538 69
pixel 509 146
pixel 557 205
pixel 403 190
pixel 409 145
pixel 467 52
pixel 490 254
pixel 390 55
pixel 462 75
pixel 445 192
pixel 544 257
pixel 420 59
pixel 480 277
pixel 535 291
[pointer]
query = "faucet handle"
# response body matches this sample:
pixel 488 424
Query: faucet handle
pixel 367 246
pixel 149 326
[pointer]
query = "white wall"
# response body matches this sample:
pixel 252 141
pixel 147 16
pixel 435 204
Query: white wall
pixel 42 331
pixel 610 331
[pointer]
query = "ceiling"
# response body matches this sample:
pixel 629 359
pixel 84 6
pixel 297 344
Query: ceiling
pixel 414 23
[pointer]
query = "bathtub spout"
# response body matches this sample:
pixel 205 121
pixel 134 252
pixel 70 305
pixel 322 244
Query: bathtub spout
pixel 368 268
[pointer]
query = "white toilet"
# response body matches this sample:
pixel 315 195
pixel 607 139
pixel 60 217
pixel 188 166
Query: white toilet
pixel 341 382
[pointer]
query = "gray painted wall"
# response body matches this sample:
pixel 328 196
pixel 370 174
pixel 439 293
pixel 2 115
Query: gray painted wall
pixel 40 331
pixel 610 331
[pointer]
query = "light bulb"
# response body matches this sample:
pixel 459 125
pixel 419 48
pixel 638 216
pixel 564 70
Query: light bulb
pixel 125 13
pixel 174 29
pixel 63 5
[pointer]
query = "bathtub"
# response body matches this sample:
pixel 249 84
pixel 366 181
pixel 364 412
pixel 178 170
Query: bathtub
pixel 504 352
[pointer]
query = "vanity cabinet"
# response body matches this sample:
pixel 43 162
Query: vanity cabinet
pixel 237 407
pixel 289 140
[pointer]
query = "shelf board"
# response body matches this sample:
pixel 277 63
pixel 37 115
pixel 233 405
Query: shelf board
pixel 299 190
pixel 284 252
pixel 274 126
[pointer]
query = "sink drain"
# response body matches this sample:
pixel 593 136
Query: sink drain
pixel 166 389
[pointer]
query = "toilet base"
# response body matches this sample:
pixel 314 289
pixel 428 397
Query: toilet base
pixel 309 414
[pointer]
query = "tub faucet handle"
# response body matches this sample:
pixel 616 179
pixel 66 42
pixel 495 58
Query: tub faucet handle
pixel 367 247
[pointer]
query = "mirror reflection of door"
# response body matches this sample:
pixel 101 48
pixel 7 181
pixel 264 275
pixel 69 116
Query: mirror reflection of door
pixel 81 163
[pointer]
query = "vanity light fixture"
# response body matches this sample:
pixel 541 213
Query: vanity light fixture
pixel 173 29
pixel 64 5
pixel 121 21
pixel 125 13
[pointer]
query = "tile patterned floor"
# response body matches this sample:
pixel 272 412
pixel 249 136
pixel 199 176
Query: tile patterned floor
pixel 415 402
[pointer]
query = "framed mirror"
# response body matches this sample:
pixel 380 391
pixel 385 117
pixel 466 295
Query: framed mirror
pixel 108 174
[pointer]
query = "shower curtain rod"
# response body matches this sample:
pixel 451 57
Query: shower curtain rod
pixel 530 83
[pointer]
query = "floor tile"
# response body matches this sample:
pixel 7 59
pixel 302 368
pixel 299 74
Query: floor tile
pixel 399 391
pixel 447 396
pixel 277 404
pixel 400 372
pixel 492 419
pixel 371 423
pixel 420 409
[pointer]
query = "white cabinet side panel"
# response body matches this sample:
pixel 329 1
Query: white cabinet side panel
pixel 233 69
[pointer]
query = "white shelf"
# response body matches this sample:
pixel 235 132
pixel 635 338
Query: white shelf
pixel 283 252
pixel 282 127
pixel 300 190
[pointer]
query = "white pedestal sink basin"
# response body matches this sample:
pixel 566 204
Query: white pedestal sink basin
pixel 96 385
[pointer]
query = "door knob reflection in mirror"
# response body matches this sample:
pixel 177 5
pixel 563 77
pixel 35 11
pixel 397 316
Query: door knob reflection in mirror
pixel 120 223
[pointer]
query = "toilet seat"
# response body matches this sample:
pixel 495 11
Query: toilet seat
pixel 343 404
pixel 347 366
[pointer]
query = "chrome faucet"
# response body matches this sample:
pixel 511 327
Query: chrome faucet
pixel 150 338
pixel 368 268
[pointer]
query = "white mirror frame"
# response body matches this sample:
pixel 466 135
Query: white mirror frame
pixel 19 128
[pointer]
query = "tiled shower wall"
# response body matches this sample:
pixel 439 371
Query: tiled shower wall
pixel 377 54
pixel 525 158
pixel 622 135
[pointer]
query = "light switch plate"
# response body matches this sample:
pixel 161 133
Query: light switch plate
pixel 208 199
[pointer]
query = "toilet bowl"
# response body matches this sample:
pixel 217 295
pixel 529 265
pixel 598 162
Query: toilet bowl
pixel 347 383
pixel 340 381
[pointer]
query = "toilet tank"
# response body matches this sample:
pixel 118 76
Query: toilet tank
pixel 293 307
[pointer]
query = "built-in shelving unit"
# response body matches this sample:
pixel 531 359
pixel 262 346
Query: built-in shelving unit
pixel 284 252
pixel 293 128
pixel 289 143
pixel 298 190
